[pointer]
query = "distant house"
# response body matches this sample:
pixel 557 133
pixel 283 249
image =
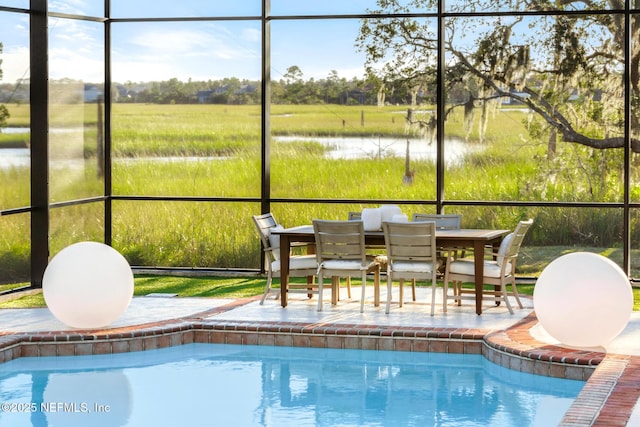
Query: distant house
pixel 203 96
pixel 246 89
pixel 92 92
pixel 575 95
pixel 220 90
pixel 122 91
pixel 507 100
pixel 222 93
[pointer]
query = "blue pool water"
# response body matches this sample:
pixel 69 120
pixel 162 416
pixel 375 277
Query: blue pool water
pixel 234 385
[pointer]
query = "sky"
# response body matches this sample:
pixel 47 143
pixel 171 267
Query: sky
pixel 196 50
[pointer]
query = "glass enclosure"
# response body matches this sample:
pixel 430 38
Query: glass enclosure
pixel 76 223
pixel 15 162
pixel 171 123
pixel 197 135
pixel 529 120
pixel 15 156
pixel 339 7
pixel 184 8
pixel 75 7
pixel 76 109
pixel 181 233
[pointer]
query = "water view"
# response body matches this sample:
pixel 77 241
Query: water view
pixel 336 148
pixel 371 148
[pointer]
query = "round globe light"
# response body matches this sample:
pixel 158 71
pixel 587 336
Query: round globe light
pixel 88 285
pixel 583 299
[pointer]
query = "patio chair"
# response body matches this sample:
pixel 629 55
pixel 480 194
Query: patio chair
pixel 499 272
pixel 340 252
pixel 299 265
pixel 353 216
pixel 381 258
pixel 411 254
pixel 443 222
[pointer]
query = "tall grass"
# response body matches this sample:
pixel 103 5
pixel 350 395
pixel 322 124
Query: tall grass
pixel 199 130
pixel 200 234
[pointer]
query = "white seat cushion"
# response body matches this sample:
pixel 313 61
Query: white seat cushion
pixel 408 266
pixel 343 264
pixel 299 262
pixel 467 267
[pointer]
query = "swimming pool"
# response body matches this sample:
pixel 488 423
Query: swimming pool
pixel 242 385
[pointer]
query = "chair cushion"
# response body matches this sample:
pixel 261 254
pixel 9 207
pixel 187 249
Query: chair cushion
pixel 504 245
pixel 343 264
pixel 408 266
pixel 467 267
pixel 274 241
pixel 298 262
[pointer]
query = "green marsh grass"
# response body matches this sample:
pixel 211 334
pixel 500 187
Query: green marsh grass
pixel 196 130
pixel 200 234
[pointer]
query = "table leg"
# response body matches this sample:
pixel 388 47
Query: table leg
pixel 478 260
pixel 497 289
pixel 311 249
pixel 285 248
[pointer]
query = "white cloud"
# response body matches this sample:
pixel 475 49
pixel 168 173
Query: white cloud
pixel 15 64
pixel 79 7
pixel 252 35
pixel 171 44
pixel 213 53
pixel 72 64
pixel 200 51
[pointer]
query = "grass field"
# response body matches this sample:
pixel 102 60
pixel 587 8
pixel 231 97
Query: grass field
pixel 508 167
pixel 214 287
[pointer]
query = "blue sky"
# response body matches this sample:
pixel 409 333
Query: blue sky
pixel 197 50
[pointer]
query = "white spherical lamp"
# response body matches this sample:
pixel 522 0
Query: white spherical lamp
pixel 88 285
pixel 583 299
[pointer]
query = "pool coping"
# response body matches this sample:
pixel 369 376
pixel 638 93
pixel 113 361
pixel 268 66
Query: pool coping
pixel 607 399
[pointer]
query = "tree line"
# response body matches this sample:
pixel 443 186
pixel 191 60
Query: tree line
pixel 292 88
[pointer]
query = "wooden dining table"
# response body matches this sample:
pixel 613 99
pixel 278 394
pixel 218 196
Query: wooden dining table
pixel 477 239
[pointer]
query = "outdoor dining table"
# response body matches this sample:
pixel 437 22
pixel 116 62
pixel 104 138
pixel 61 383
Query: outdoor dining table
pixel 477 239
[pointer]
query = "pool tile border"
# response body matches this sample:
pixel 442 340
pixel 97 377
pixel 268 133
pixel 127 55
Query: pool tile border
pixel 608 398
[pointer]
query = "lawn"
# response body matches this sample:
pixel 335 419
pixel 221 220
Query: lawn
pixel 212 287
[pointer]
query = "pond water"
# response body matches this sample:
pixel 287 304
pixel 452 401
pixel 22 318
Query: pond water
pixel 14 130
pixel 14 158
pixel 221 384
pixel 367 147
pixel 337 148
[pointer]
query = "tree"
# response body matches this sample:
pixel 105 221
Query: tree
pixel 293 85
pixel 568 69
pixel 4 111
pixel 334 88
